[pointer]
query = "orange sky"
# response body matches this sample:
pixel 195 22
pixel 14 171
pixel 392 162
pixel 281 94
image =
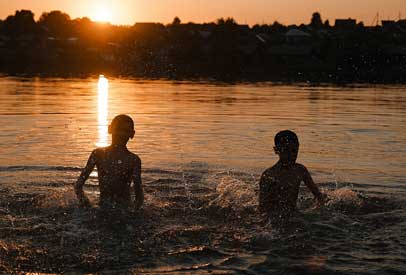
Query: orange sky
pixel 244 11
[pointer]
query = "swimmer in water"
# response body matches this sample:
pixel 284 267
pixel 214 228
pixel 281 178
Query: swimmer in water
pixel 279 185
pixel 117 168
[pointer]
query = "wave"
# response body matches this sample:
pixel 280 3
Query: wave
pixel 37 168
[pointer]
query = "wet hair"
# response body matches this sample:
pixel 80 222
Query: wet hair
pixel 284 138
pixel 122 123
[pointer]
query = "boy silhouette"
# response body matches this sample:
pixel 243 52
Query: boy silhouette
pixel 117 168
pixel 279 185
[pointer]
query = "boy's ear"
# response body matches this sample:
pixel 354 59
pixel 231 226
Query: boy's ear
pixel 109 129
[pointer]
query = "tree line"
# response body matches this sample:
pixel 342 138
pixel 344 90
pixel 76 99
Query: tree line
pixel 317 51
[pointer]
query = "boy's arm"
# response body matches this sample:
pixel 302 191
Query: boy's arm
pixel 308 180
pixel 83 199
pixel 264 196
pixel 136 177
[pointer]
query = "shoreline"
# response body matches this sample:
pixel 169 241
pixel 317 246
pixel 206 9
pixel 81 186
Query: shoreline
pixel 207 79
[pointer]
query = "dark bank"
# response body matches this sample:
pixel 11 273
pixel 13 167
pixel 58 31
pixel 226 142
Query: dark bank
pixel 344 51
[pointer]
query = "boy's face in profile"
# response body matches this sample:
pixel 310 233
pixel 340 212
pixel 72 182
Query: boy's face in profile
pixel 287 153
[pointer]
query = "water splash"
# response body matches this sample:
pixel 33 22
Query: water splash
pixel 234 194
pixel 344 199
pixel 169 235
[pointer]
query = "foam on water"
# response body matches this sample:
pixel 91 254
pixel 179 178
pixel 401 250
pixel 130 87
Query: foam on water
pixel 234 194
pixel 344 197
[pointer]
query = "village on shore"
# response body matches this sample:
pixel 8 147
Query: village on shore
pixel 346 51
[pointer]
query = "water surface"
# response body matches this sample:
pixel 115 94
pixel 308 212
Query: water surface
pixel 203 147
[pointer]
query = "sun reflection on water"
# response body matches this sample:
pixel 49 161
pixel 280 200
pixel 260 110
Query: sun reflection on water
pixel 103 109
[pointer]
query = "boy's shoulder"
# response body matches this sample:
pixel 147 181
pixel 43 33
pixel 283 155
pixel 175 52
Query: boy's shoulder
pixel 135 157
pixel 297 167
pixel 101 152
pixel 270 172
pixel 300 168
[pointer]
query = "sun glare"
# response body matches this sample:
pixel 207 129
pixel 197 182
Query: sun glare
pixel 103 109
pixel 102 14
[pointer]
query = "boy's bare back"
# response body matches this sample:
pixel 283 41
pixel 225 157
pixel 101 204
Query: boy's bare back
pixel 117 168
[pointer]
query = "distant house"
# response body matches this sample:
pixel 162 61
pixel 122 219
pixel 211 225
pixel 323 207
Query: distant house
pixel 402 24
pixel 391 27
pixel 345 24
pixel 296 36
pixel 388 23
pixel 243 28
pixel 190 28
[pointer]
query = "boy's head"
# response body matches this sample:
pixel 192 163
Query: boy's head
pixel 122 126
pixel 287 146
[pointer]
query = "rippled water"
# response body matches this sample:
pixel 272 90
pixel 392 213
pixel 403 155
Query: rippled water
pixel 203 147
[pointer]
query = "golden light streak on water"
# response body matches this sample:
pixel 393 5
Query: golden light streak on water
pixel 103 110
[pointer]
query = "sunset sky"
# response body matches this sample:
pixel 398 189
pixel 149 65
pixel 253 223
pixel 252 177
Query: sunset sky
pixel 244 11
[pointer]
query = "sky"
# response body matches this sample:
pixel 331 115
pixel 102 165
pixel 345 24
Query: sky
pixel 127 12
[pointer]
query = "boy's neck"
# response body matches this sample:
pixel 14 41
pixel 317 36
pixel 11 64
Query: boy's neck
pixel 118 145
pixel 118 142
pixel 285 165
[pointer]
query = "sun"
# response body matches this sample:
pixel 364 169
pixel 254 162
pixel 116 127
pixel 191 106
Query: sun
pixel 102 14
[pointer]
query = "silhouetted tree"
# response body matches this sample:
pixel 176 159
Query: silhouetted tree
pixel 84 27
pixel 212 49
pixel 278 27
pixel 57 23
pixel 220 21
pixel 316 21
pixel 176 21
pixel 228 21
pixel 22 22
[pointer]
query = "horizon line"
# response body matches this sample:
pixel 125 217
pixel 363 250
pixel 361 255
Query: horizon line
pixel 36 19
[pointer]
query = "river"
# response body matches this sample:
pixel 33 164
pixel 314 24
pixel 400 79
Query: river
pixel 203 146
